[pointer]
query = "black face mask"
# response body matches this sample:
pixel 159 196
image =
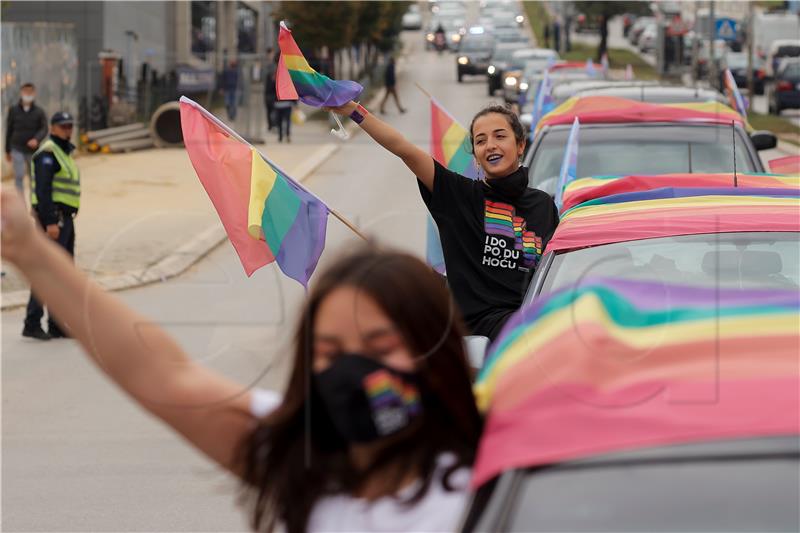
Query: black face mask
pixel 367 400
pixel 511 186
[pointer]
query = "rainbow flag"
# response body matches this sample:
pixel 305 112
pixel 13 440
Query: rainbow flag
pixel 734 96
pixel 569 165
pixel 296 79
pixel 609 365
pixel 450 147
pixel 785 165
pixel 267 215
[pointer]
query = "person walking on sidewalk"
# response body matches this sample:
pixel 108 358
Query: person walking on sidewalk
pixel 283 119
pixel 390 81
pixel 55 197
pixel 270 94
pixel 26 128
pixel 230 87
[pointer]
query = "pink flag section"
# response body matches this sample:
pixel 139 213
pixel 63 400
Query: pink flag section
pixel 785 165
pixel 223 165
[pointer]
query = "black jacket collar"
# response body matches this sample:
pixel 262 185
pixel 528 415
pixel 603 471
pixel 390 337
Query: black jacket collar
pixel 64 145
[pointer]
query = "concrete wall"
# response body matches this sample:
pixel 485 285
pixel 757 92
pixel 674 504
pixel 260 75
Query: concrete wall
pixel 151 23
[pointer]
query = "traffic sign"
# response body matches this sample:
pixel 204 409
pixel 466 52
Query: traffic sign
pixel 726 29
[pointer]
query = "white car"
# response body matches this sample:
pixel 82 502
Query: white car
pixel 412 19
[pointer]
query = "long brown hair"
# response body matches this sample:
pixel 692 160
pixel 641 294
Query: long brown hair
pixel 295 456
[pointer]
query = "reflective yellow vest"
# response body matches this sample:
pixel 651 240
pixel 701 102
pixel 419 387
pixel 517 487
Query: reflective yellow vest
pixel 66 182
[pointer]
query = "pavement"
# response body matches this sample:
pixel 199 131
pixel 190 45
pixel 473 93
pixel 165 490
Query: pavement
pixel 146 218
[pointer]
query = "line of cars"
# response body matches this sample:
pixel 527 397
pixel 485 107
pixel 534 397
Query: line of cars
pixel 680 176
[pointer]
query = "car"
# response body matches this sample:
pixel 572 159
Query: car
pixel 638 27
pixel 412 19
pixel 474 55
pixel 784 89
pixel 632 391
pixel 648 38
pixel 454 29
pixel 532 58
pixel 510 35
pixel 629 137
pixel 499 63
pixel 780 49
pixel 736 62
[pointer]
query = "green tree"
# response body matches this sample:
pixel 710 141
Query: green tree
pixel 605 11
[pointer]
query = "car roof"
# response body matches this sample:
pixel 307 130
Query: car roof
pixel 655 93
pixel 535 52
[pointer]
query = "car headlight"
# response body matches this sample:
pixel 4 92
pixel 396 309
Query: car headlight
pixel 429 37
pixel 520 19
pixel 511 81
pixel 491 69
pixel 456 37
pixel 463 60
pixel 523 86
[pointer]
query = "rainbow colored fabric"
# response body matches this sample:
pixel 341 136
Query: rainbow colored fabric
pixel 613 110
pixel 296 79
pixel 612 365
pixel 785 165
pixel 450 147
pixel 254 200
pixel 734 96
pixel 607 210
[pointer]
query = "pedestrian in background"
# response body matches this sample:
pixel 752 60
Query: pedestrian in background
pixel 270 93
pixel 390 81
pixel 377 429
pixel 283 119
pixel 55 198
pixel 26 128
pixel 230 86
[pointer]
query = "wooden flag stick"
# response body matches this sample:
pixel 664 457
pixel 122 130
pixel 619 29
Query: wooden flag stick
pixel 230 131
pixel 426 93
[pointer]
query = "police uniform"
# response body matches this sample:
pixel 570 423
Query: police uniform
pixel 55 198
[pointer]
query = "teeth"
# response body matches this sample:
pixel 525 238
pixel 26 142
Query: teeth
pixel 493 158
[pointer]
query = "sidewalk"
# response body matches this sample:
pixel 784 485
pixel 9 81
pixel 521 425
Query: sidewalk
pixel 145 216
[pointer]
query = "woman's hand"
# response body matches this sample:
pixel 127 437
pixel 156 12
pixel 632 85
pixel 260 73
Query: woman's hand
pixel 343 110
pixel 19 233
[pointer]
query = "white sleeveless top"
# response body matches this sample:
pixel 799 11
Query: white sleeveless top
pixel 438 511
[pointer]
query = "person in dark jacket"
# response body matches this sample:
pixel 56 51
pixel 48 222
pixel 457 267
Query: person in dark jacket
pixel 55 198
pixel 26 127
pixel 230 86
pixel 390 80
pixel 270 94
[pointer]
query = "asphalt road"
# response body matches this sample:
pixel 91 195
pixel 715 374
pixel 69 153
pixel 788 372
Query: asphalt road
pixel 78 455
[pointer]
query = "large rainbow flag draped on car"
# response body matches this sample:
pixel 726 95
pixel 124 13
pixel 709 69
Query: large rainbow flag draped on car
pixel 266 214
pixel 609 364
pixel 296 79
pixel 450 147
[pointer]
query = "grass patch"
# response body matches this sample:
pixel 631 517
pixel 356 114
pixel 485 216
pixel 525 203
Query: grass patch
pixel 785 129
pixel 538 18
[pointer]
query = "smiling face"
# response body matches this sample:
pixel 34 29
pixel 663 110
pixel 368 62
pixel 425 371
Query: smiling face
pixel 349 321
pixel 496 149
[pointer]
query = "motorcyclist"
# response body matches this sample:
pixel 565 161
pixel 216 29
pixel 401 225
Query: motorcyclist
pixel 438 38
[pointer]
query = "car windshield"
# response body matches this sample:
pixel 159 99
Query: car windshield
pixel 729 260
pixel 476 45
pixel 504 54
pixel 792 70
pixel 639 149
pixel 788 51
pixel 534 66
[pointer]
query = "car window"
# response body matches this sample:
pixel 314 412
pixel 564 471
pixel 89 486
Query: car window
pixel 476 45
pixel 747 260
pixel 788 51
pixel 792 70
pixel 622 151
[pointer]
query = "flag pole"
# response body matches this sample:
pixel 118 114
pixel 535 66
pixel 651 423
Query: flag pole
pixel 230 131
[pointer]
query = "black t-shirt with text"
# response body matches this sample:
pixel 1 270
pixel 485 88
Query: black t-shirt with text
pixel 491 242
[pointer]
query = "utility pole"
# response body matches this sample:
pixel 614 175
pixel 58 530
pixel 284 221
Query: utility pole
pixel 712 30
pixel 750 41
pixel 695 46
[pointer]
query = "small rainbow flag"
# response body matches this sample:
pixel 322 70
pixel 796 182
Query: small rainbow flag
pixel 569 165
pixel 296 79
pixel 255 201
pixel 734 96
pixel 450 147
pixel 611 364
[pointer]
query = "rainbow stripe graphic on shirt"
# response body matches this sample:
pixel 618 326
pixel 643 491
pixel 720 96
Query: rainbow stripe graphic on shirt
pixel 501 219
pixel 386 390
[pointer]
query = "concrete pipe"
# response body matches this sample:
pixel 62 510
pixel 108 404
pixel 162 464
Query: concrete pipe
pixel 165 125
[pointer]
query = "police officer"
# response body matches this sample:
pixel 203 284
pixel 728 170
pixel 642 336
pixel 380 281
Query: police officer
pixel 55 198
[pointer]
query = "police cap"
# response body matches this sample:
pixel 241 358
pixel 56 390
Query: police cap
pixel 61 117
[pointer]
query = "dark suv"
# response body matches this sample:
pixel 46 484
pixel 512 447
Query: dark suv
pixel 474 55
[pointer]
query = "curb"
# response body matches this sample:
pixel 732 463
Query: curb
pixel 177 262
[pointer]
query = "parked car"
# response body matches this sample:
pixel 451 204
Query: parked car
pixel 612 145
pixel 648 38
pixel 474 55
pixel 500 62
pixel 780 49
pixel 784 89
pixel 601 430
pixel 412 19
pixel 736 62
pixel 638 27
pixel 656 94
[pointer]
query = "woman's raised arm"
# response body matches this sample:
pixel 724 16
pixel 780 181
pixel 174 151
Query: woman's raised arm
pixel 208 409
pixel 416 159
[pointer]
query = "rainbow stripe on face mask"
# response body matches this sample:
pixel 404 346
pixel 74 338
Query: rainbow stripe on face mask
pixel 385 389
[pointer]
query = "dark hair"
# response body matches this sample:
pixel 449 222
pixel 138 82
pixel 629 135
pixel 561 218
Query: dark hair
pixel 27 86
pixel 506 111
pixel 290 461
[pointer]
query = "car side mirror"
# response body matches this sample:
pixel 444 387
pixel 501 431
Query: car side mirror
pixel 476 346
pixel 764 140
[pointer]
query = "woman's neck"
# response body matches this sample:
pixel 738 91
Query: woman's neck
pixel 495 176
